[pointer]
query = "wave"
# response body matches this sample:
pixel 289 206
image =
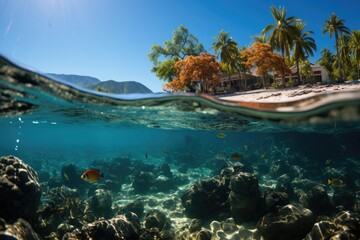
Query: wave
pixel 39 96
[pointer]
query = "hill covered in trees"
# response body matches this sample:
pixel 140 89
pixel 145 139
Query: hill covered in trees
pixel 109 86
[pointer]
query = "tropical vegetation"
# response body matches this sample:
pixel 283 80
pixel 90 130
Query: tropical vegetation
pixel 286 43
pixel 336 26
pixel 202 70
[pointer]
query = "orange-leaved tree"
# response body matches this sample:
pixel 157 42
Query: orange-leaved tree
pixel 203 70
pixel 260 56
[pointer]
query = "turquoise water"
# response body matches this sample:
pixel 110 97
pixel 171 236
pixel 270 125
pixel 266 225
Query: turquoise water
pixel 49 124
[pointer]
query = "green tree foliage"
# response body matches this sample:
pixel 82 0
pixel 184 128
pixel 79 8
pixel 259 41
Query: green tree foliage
pixel 336 26
pixel 282 31
pixel 327 60
pixel 355 49
pixel 303 46
pixel 182 44
pixel 227 49
pixel 305 71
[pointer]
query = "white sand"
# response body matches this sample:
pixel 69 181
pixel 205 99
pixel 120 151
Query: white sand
pixel 289 94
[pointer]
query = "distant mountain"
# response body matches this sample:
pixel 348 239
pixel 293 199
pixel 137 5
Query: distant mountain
pixel 110 86
pixel 82 81
pixel 121 87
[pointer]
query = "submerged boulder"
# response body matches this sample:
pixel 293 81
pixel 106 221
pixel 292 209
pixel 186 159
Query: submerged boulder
pixel 245 198
pixel 291 222
pixel 20 229
pixel 344 225
pixel 204 199
pixel 118 228
pixel 20 190
pixel 100 203
pixel 317 200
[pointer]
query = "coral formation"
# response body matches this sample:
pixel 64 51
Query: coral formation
pixel 20 229
pixel 118 228
pixel 19 183
pixel 291 222
pixel 245 198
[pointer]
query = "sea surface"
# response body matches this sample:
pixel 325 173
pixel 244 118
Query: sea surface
pixel 49 124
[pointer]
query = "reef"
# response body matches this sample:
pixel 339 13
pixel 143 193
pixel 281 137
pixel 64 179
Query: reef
pixel 118 228
pixel 20 184
pixel 20 229
pixel 238 200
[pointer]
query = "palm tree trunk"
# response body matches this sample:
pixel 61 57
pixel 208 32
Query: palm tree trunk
pixel 263 80
pixel 337 54
pixel 358 70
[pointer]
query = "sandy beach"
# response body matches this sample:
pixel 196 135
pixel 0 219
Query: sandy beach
pixel 290 94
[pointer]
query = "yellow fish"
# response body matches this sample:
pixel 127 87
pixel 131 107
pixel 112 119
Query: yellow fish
pixel 221 135
pixel 336 182
pixel 92 175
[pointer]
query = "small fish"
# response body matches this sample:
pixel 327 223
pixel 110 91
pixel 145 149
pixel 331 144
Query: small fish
pixel 221 135
pixel 262 156
pixel 146 155
pixel 92 175
pixel 236 156
pixel 66 177
pixel 336 182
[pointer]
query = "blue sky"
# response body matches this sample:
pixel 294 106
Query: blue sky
pixel 110 39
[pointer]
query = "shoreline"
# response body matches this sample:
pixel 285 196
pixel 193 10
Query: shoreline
pixel 289 94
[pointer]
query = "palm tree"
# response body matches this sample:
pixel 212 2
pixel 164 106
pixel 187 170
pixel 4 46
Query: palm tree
pixel 344 53
pixel 225 48
pixel 336 26
pixel 303 46
pixel 259 38
pixel 282 31
pixel 355 49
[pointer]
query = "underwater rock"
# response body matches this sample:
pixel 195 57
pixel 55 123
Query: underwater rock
pixel 164 169
pixel 274 200
pixel 317 200
pixel 156 219
pixel 203 234
pixel 304 184
pixel 143 181
pixel 245 197
pixel 169 204
pixel 195 225
pixel 19 183
pixel 205 198
pixel 64 228
pixel 136 207
pixel 344 225
pixel 70 176
pixel 163 183
pixel 20 229
pixel 118 228
pixel 100 203
pixel 152 202
pixel 227 172
pixel 63 206
pixel 291 222
pixel 344 197
pixel 284 185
